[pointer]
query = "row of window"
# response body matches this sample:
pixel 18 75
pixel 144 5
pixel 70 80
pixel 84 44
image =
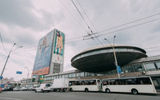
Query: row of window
pixel 71 75
pixel 125 69
pixel 83 82
pixel 138 68
pixel 131 81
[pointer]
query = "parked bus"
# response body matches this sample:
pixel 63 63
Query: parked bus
pixel 85 85
pixel 134 85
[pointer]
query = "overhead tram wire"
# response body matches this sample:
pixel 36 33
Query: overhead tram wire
pixel 86 15
pixel 77 38
pixel 134 21
pixel 125 28
pixel 76 21
pixel 79 12
pixel 90 22
pixel 7 41
pixel 137 20
pixel 2 42
pixel 85 21
pixel 71 14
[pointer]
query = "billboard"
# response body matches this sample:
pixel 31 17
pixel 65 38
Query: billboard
pixel 59 43
pixel 43 56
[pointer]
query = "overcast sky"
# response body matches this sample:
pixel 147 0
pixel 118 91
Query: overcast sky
pixel 26 21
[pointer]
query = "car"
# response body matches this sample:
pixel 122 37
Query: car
pixel 35 86
pixel 43 88
pixel 7 89
pixel 23 89
pixel 29 88
pixel 17 89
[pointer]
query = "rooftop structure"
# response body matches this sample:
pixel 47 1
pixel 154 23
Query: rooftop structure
pixel 101 59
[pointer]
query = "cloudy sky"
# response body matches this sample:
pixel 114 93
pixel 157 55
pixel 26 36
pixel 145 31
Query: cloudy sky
pixel 26 21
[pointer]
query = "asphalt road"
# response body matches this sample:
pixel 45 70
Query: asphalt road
pixel 29 95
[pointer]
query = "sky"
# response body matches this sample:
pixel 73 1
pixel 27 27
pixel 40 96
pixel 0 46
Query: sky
pixel 24 22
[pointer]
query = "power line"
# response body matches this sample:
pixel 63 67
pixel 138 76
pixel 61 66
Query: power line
pixel 79 13
pixel 100 34
pixel 6 41
pixel 85 21
pixel 137 20
pixel 90 23
pixel 2 42
pixel 86 15
pixel 71 13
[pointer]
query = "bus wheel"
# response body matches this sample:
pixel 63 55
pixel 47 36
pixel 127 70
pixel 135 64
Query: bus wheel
pixel 86 90
pixel 107 90
pixel 134 91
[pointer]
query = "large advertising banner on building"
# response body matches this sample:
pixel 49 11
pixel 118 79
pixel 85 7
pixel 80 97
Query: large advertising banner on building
pixel 59 43
pixel 43 56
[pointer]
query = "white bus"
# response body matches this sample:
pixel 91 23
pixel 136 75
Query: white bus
pixel 85 85
pixel 132 85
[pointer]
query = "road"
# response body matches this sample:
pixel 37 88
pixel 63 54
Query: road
pixel 29 95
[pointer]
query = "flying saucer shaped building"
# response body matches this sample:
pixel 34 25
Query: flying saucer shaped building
pixel 101 59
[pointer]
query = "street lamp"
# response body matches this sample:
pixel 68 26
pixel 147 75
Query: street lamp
pixel 8 57
pixel 7 61
pixel 114 54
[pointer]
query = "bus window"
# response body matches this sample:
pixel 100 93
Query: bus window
pixel 131 81
pixel 82 83
pixel 93 82
pixel 105 82
pixel 144 80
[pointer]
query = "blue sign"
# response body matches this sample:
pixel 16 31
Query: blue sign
pixel 119 69
pixel 1 77
pixel 18 72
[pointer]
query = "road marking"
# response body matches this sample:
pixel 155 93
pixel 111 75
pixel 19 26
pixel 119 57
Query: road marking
pixel 6 98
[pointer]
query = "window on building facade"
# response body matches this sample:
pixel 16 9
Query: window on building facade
pixel 138 68
pixel 158 64
pixel 149 66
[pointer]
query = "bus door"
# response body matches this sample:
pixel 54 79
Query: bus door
pixel 156 82
pixel 99 84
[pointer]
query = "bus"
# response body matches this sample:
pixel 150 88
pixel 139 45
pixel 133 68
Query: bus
pixel 134 85
pixel 85 85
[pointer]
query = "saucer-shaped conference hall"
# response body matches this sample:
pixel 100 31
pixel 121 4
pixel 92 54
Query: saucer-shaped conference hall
pixel 101 59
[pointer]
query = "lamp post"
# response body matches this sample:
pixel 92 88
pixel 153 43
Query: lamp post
pixel 114 54
pixel 8 58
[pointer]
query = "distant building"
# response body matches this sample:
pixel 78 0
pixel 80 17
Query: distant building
pixel 50 54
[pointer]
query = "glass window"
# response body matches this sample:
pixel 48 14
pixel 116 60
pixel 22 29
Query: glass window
pixel 143 80
pixel 131 81
pixel 82 74
pixel 150 66
pixel 158 64
pixel 138 68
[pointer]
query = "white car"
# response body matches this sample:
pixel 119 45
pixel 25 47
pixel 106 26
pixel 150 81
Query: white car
pixel 16 89
pixel 23 89
pixel 43 88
